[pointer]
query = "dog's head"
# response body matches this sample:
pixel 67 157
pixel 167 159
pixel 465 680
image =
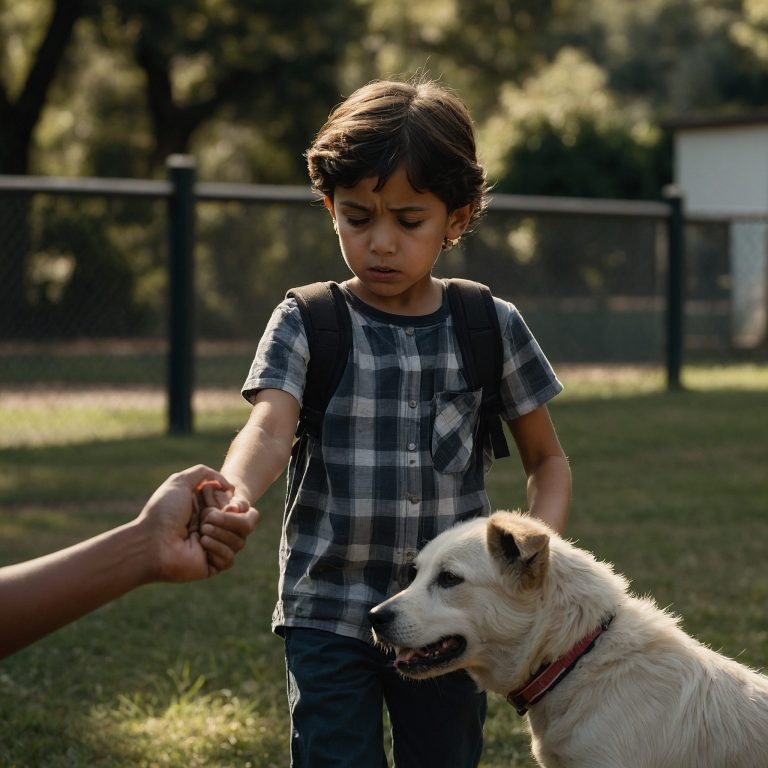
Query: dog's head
pixel 476 586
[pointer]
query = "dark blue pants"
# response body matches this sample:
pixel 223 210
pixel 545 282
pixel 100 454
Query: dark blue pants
pixel 336 689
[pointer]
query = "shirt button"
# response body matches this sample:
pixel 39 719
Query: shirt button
pixel 414 499
pixel 409 331
pixel 411 446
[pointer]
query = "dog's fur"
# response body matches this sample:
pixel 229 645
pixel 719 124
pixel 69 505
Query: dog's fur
pixel 511 595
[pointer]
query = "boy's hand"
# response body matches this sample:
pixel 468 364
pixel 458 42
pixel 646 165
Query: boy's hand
pixel 223 533
pixel 217 523
pixel 214 495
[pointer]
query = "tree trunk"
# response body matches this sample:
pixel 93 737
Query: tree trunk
pixel 18 120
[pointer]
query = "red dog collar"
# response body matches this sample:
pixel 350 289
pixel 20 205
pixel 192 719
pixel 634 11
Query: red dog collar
pixel 552 674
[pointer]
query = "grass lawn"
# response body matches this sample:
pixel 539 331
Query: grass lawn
pixel 672 488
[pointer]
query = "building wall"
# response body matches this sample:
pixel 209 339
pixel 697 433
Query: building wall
pixel 723 169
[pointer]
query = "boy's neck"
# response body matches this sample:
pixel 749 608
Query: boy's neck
pixel 412 303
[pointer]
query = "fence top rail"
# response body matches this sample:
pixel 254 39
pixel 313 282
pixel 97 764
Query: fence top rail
pixel 58 185
pixel 86 186
pixel 220 191
pixel 267 193
pixel 580 206
pixel 758 216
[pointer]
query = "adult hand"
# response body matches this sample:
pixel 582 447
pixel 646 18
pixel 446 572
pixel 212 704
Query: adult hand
pixel 186 545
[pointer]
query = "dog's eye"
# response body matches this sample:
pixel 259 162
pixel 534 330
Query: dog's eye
pixel 447 579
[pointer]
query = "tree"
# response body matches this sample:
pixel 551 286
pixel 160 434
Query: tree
pixel 475 47
pixel 263 62
pixel 561 132
pixel 260 63
pixel 20 114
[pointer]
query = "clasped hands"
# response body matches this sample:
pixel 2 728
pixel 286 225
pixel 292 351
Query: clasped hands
pixel 197 527
pixel 224 522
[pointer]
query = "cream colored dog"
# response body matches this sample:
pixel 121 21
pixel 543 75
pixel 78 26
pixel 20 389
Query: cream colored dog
pixel 610 679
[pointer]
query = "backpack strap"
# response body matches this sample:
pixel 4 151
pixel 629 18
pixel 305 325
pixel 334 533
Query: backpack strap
pixel 325 315
pixel 482 353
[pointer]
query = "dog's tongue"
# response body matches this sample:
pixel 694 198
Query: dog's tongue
pixel 406 655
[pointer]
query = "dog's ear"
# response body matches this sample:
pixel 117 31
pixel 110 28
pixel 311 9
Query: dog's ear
pixel 518 548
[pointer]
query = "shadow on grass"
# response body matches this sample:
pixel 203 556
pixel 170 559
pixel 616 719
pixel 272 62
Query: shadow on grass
pixel 100 470
pixel 626 434
pixel 169 675
pixel 149 697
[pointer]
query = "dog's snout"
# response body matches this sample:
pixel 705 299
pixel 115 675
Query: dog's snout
pixel 380 616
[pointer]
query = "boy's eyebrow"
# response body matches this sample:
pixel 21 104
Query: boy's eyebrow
pixel 351 204
pixel 400 209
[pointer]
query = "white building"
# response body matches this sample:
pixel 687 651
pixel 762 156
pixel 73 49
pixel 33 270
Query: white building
pixel 722 167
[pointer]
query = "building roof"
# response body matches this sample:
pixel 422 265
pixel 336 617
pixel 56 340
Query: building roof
pixel 701 122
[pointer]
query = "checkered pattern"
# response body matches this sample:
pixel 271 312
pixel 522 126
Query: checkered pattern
pixel 396 465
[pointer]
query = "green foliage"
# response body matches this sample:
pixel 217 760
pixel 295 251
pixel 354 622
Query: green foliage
pixel 561 132
pixel 245 85
pixel 97 281
pixel 587 160
pixel 568 97
pixel 135 81
pixel 258 61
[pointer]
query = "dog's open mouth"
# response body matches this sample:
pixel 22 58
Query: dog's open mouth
pixel 412 661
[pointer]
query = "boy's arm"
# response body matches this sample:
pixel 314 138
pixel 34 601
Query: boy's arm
pixel 546 465
pixel 261 450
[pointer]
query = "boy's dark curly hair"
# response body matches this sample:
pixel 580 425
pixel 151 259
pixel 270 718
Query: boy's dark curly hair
pixel 420 126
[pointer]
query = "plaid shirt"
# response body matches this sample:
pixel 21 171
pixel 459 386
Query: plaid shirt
pixel 396 464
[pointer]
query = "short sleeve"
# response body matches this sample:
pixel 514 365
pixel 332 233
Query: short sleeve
pixel 282 355
pixel 528 380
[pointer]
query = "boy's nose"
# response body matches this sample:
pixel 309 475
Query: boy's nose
pixel 382 240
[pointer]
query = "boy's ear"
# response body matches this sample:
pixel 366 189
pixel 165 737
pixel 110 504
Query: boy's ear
pixel 329 205
pixel 458 220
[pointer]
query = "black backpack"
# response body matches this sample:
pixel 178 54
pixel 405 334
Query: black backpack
pixel 326 320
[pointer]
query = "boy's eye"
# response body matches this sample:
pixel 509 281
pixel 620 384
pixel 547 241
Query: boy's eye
pixel 409 224
pixel 357 222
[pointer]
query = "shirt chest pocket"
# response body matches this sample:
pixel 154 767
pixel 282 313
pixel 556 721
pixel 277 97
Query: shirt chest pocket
pixel 453 433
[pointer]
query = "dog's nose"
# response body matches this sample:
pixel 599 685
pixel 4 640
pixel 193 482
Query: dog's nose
pixel 380 616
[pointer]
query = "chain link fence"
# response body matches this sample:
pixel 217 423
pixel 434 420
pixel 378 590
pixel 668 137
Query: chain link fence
pixel 84 286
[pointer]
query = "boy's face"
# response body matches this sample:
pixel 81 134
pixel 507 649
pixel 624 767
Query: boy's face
pixel 391 239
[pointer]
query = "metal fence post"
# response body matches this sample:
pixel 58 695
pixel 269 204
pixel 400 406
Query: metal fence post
pixel 181 234
pixel 673 195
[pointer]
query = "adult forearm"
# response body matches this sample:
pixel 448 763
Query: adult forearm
pixel 549 492
pixel 42 595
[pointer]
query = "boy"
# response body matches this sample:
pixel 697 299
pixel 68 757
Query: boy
pixel 396 464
